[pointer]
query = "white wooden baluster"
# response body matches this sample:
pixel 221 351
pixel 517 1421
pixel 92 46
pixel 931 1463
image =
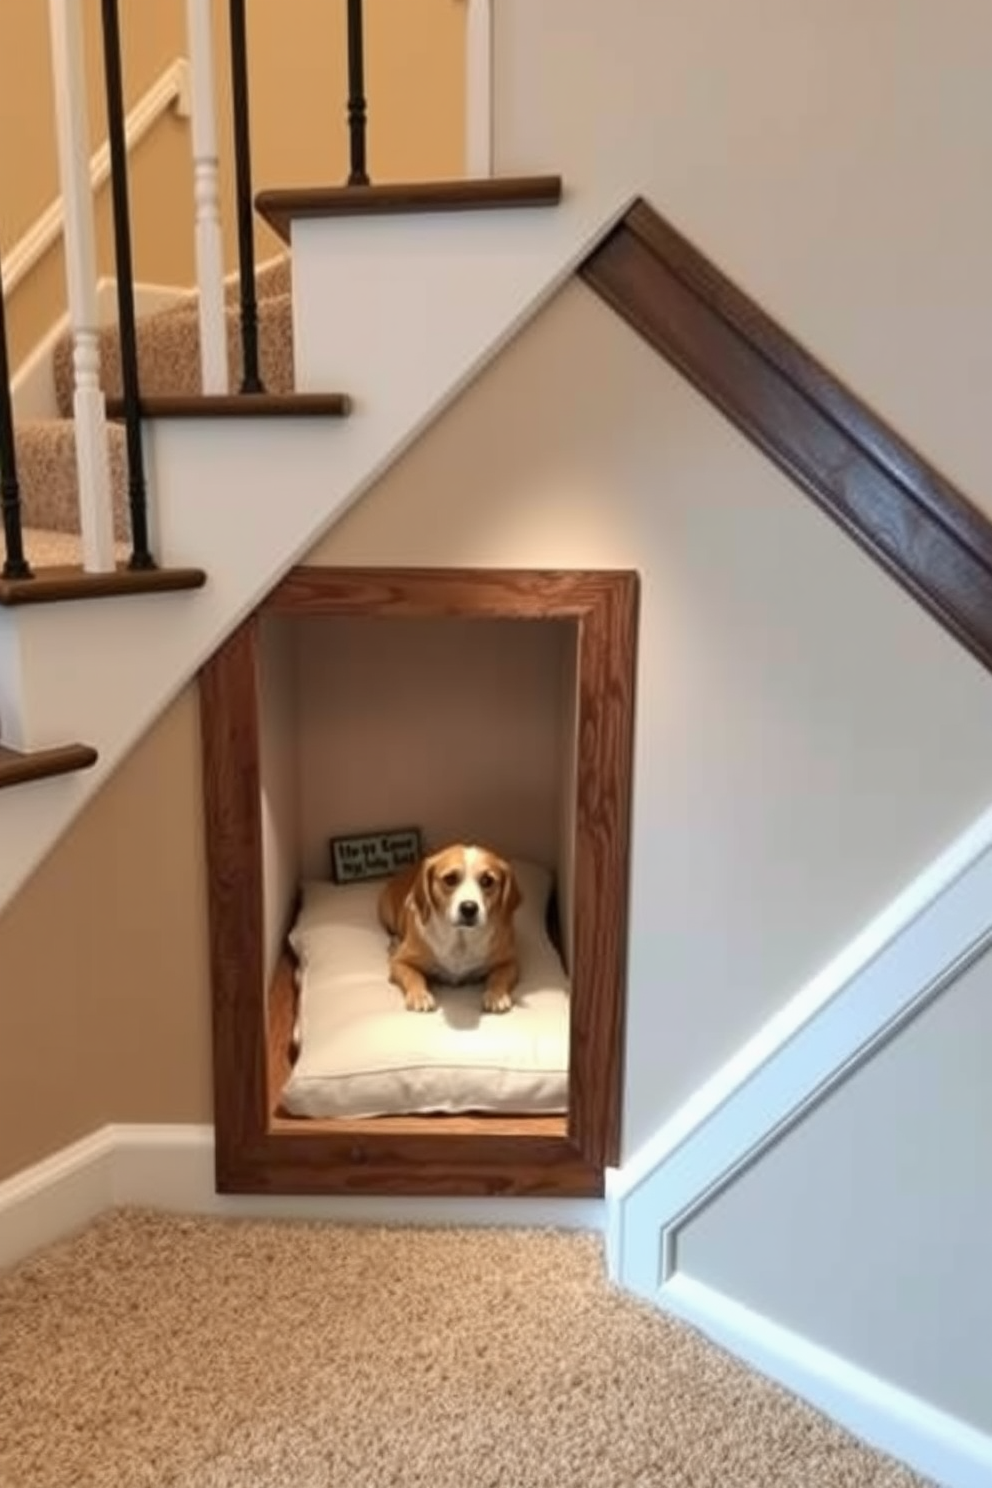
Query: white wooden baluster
pixel 72 129
pixel 206 195
pixel 479 88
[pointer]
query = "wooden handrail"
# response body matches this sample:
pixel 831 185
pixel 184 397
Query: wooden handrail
pixel 896 506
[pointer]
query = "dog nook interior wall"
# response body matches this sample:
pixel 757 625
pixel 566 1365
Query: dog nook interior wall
pixel 465 728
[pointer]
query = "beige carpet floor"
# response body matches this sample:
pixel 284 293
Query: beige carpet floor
pixel 158 1352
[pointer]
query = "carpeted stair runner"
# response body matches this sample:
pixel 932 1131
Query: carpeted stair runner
pixel 169 363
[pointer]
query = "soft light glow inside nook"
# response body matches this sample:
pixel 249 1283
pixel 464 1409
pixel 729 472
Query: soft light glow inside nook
pixel 567 521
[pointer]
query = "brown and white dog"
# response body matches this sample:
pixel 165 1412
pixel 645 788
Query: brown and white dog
pixel 451 916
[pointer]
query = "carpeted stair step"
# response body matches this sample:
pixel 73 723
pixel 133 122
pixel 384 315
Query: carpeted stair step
pixel 169 352
pixel 45 549
pixel 169 362
pixel 46 468
pixel 272 280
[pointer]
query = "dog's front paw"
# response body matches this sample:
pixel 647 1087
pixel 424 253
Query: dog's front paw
pixel 419 1000
pixel 496 1000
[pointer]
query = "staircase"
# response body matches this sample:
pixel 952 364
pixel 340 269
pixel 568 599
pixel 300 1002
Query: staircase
pixel 169 361
pixel 400 295
pixel 237 500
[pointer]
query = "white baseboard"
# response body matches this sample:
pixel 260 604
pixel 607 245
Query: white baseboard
pixel 930 1441
pixel 55 1197
pixel 907 956
pixel 172 1168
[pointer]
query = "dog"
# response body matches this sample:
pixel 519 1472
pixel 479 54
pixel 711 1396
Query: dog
pixel 450 917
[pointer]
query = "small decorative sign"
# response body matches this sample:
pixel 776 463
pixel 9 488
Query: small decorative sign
pixel 373 854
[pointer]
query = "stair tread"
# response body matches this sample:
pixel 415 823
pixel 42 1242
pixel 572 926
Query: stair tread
pixel 17 767
pixel 239 405
pixel 280 206
pixel 71 582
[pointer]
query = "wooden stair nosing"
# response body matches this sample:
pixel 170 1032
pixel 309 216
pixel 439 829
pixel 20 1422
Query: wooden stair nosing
pixel 19 767
pixel 55 585
pixel 281 206
pixel 917 526
pixel 237 405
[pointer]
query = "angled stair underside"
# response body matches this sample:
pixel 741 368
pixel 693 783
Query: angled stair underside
pixel 897 507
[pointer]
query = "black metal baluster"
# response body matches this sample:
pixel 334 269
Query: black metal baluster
pixel 15 564
pixel 251 381
pixel 356 95
pixel 141 557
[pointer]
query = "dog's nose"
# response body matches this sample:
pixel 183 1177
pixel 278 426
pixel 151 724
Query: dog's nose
pixel 468 911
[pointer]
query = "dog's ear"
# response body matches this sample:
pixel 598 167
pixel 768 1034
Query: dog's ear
pixel 422 886
pixel 510 895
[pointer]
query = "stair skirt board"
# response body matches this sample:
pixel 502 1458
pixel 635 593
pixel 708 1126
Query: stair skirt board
pixel 251 733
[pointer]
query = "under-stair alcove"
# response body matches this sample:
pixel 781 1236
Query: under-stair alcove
pixel 470 705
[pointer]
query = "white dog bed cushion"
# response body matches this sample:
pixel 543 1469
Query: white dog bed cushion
pixel 362 1053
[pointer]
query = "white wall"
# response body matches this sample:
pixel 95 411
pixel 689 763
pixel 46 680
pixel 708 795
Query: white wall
pixel 884 1192
pixel 794 706
pixel 832 156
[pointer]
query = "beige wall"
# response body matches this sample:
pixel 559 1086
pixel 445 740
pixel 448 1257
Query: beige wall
pixel 104 990
pixel 452 727
pixel 415 86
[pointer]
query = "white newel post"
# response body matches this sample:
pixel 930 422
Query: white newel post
pixel 206 194
pixel 479 88
pixel 89 409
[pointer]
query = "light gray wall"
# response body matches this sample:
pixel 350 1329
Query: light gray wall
pixel 868 1228
pixel 794 706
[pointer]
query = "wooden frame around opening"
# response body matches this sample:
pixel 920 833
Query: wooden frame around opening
pixel 258 1151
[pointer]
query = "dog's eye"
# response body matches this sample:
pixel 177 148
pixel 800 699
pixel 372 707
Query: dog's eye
pixel 450 880
pixel 486 881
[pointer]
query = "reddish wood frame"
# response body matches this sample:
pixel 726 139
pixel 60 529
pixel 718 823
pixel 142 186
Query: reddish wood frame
pixel 259 1151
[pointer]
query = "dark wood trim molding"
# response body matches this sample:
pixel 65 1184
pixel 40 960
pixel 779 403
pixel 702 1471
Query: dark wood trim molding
pixel 238 405
pixel 55 585
pixel 17 768
pixel 281 207
pixel 911 520
pixel 258 1150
